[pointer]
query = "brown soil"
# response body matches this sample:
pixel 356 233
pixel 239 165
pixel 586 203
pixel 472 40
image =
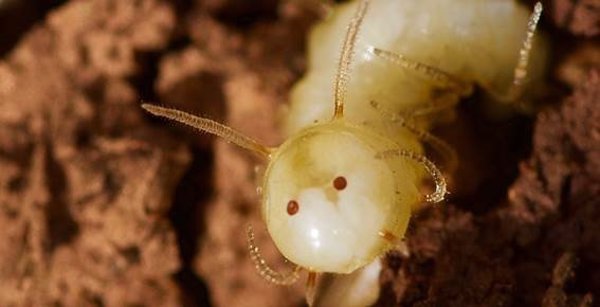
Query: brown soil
pixel 102 205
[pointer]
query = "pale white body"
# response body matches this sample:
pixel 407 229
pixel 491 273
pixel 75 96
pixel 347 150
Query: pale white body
pixel 478 41
pixel 358 289
pixel 475 40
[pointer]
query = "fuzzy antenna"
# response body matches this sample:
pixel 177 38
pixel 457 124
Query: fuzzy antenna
pixel 343 71
pixel 210 126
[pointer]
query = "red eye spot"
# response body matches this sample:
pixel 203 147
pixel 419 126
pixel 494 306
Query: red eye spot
pixel 340 183
pixel 292 207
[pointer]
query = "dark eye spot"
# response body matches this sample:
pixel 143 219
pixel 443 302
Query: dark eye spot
pixel 293 207
pixel 340 183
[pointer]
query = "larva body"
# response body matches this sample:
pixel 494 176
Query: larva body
pixel 339 191
pixel 477 41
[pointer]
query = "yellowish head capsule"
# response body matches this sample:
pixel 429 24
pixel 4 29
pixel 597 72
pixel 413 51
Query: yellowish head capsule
pixel 327 196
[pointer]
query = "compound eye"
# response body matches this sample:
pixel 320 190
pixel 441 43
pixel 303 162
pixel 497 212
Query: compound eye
pixel 293 207
pixel 340 183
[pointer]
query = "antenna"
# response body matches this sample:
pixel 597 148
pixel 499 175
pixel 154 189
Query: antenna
pixel 210 126
pixel 343 72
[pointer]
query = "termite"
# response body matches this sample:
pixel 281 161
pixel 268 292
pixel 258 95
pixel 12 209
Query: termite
pixel 338 193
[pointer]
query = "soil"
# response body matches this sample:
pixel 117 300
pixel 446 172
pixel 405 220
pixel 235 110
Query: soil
pixel 103 205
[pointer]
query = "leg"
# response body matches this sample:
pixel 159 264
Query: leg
pixel 440 182
pixel 437 75
pixel 449 83
pixel 446 152
pixel 439 104
pixel 399 244
pixel 311 287
pixel 515 90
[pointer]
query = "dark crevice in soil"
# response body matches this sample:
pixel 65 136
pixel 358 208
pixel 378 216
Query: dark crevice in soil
pixel 195 290
pixel 179 43
pixel 182 7
pixel 243 14
pixel 195 188
pixel 62 227
pixel 18 16
pixel 144 81
pixel 501 144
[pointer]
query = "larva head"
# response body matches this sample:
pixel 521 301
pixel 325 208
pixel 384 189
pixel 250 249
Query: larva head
pixel 331 201
pixel 328 198
pixel 332 197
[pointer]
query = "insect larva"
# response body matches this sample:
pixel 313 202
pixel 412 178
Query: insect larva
pixel 338 192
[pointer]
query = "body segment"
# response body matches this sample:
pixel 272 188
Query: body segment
pixel 476 41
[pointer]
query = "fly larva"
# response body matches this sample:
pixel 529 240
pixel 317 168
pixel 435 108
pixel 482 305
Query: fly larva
pixel 338 192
